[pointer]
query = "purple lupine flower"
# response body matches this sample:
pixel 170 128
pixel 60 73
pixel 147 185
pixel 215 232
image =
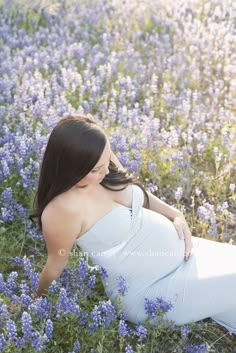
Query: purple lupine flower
pixel 205 212
pixel 33 231
pixel 26 321
pixel 2 284
pixel 63 300
pixel 93 327
pixel 2 343
pixel 40 307
pixel 213 228
pixel 54 287
pixel 7 195
pixel 49 328
pixel 154 306
pixel 102 315
pixel 123 329
pixel 96 316
pixel 83 269
pixel 123 316
pixel 121 284
pixel 128 349
pixel 23 286
pixel 16 260
pixel 150 307
pixel 103 272
pixel 25 299
pixel 179 193
pixel 27 182
pixel 5 169
pixel 163 305
pixel 73 307
pixel 11 330
pixel 11 284
pixel 38 341
pixel 15 298
pixel 34 280
pixel 27 265
pixel 201 348
pixel 152 187
pixel 7 215
pixel 185 330
pixel 91 281
pixel 8 292
pixel 140 332
pixel 83 318
pixel 20 210
pixel 76 346
pixel 20 342
pixel 4 314
pixel 134 166
pixel 11 207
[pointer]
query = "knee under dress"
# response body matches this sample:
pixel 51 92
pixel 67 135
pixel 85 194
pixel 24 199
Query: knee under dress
pixel 144 247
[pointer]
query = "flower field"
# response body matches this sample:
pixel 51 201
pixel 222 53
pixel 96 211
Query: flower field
pixel 160 78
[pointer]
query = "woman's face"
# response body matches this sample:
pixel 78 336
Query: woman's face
pixel 100 170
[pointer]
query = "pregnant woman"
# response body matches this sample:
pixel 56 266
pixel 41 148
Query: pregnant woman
pixel 85 197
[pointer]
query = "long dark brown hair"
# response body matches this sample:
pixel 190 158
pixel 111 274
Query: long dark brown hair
pixel 74 147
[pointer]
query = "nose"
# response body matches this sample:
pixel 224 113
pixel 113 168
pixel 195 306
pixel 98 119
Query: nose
pixel 107 171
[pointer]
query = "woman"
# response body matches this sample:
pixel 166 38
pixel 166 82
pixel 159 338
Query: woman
pixel 85 197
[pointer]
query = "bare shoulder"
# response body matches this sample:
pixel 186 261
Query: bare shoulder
pixel 60 226
pixel 63 212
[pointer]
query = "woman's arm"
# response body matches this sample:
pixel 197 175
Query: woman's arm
pixel 163 208
pixel 60 229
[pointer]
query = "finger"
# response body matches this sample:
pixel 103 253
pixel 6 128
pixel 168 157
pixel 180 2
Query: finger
pixel 187 252
pixel 188 249
pixel 187 255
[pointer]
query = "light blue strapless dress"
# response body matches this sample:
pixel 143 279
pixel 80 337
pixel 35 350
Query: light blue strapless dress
pixel 144 247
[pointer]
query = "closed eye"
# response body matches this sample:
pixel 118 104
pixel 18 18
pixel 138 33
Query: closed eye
pixel 97 170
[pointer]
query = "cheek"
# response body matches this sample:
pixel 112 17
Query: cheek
pixel 91 177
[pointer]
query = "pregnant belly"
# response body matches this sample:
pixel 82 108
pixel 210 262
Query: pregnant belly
pixel 156 250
